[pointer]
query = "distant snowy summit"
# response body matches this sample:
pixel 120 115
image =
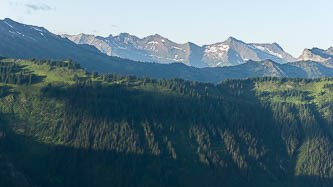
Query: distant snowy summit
pixel 21 41
pixel 156 48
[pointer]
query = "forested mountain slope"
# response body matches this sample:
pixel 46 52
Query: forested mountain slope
pixel 62 126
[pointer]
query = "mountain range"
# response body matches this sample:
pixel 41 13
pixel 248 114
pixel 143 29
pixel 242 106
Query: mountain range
pixel 77 122
pixel 22 41
pixel 156 48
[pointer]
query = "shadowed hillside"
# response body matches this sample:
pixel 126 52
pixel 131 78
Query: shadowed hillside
pixel 67 127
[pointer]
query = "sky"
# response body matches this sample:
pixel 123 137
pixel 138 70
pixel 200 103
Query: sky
pixel 294 24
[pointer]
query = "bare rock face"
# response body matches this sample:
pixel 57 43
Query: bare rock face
pixel 315 54
pixel 101 45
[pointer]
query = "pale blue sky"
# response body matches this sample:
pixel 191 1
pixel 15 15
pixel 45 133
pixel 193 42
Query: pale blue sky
pixel 294 24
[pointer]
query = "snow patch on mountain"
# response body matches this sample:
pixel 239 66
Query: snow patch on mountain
pixel 153 43
pixel 156 48
pixel 16 33
pixel 37 29
pixel 8 24
pixel 178 48
pixel 265 49
pixel 12 32
pixel 217 48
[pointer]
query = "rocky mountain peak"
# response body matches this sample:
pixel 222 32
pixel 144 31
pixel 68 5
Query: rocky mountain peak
pixel 330 50
pixel 156 48
pixel 277 45
pixel 124 36
pixel 232 40
pixel 314 54
pixel 8 20
pixel 155 37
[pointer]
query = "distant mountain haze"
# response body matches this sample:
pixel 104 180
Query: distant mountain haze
pixel 158 49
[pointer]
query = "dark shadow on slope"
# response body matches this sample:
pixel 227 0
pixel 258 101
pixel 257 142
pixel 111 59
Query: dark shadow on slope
pixel 5 91
pixel 59 165
pixel 51 165
pixel 119 103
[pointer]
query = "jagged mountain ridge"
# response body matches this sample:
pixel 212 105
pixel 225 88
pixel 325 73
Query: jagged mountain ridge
pixel 156 48
pixel 316 54
pixel 319 55
pixel 24 41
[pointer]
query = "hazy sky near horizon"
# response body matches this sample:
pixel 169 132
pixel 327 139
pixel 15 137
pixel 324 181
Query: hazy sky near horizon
pixel 294 24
